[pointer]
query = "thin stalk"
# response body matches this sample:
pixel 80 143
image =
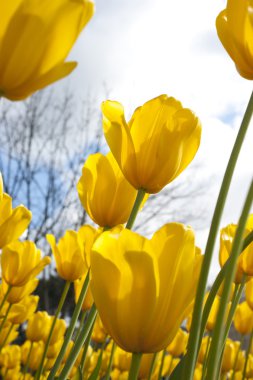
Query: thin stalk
pixel 235 300
pixel 139 198
pixel 84 313
pixel 108 372
pixel 193 343
pixel 135 366
pixel 71 328
pixel 161 365
pixel 78 344
pixel 205 358
pixel 5 296
pixel 5 317
pixel 28 360
pixel 85 349
pixel 170 367
pixel 237 356
pixel 230 274
pixel 208 304
pixel 7 336
pixel 61 302
pixel 247 355
pixel 152 366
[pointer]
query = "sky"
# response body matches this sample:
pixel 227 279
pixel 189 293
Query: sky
pixel 139 49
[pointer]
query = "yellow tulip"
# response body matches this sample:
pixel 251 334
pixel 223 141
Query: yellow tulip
pixel 70 254
pixel 98 333
pixel 36 37
pixel 10 356
pixel 157 144
pixel 178 346
pixel 21 262
pixel 13 222
pixel 35 355
pixel 143 289
pixel 245 260
pixel 243 318
pixel 17 293
pixel 38 326
pixel 230 355
pixel 58 331
pixel 104 192
pixel 210 325
pixel 249 293
pixel 204 348
pixel 54 349
pixel 22 311
pixel 235 30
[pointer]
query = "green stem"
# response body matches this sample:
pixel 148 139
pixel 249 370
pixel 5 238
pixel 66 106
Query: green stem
pixel 28 360
pixel 78 344
pixel 139 198
pixel 193 343
pixel 85 350
pixel 108 372
pixel 84 313
pixel 135 366
pixel 5 296
pixel 236 358
pixel 205 358
pixel 7 336
pixel 161 365
pixel 230 274
pixel 5 317
pixel 208 305
pixel 235 300
pixel 247 355
pixel 61 302
pixel 71 328
pixel 152 366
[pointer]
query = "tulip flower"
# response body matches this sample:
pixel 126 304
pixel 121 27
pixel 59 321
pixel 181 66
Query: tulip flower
pixel 10 356
pixel 235 30
pixel 243 318
pixel 36 37
pixel 21 262
pixel 8 333
pixel 13 222
pixel 38 326
pixel 99 333
pixel 143 289
pixel 249 293
pixel 22 311
pixel 17 293
pixel 88 300
pixel 35 354
pixel 157 144
pixel 178 346
pixel 104 192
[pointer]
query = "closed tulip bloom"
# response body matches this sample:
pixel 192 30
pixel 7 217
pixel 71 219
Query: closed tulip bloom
pixel 243 318
pixel 69 253
pixel 210 325
pixel 58 331
pixel 22 311
pixel 13 222
pixel 10 356
pixel 6 336
pixel 17 293
pixel 99 333
pixel 35 355
pixel 36 37
pixel 38 326
pixel 235 30
pixel 104 192
pixel 21 262
pixel 178 346
pixel 229 356
pixel 137 284
pixel 157 144
pixel 88 300
pixel 249 293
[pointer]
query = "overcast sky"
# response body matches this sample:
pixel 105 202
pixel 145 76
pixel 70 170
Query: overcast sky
pixel 143 48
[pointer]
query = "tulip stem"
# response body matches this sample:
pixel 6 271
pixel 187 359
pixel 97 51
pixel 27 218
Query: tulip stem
pixel 152 366
pixel 135 366
pixel 28 360
pixel 61 302
pixel 78 344
pixel 108 372
pixel 85 349
pixel 247 355
pixel 82 319
pixel 217 340
pixel 194 337
pixel 5 296
pixel 139 198
pixel 5 317
pixel 6 337
pixel 71 328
